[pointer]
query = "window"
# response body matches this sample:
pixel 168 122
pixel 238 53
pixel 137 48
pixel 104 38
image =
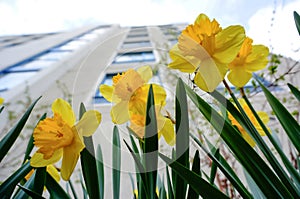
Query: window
pixel 138 44
pixel 142 34
pixel 11 80
pixel 34 65
pixel 145 56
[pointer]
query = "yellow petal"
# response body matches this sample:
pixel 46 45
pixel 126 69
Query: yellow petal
pixel 1 100
pixel 107 92
pixel 209 75
pixel 239 77
pixel 38 160
pixel 145 73
pixel 228 43
pixel 53 172
pixel 65 110
pixel 258 59
pixel 89 123
pixel 184 63
pixel 168 132
pixel 119 112
pixel 127 85
pixel 70 157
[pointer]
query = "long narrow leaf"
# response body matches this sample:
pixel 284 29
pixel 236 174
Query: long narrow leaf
pixel 169 185
pixel 73 189
pixel 202 187
pixel 31 193
pixel 252 162
pixel 294 90
pixel 100 169
pixel 116 163
pixel 287 121
pixel 10 138
pixel 182 136
pixel 192 194
pixel 150 152
pixel 54 189
pixel 297 21
pixel 8 186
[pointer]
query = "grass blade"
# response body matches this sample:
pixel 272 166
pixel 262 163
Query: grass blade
pixel 116 163
pixel 182 136
pixel 294 90
pixel 169 185
pixel 150 151
pixel 192 194
pixel 202 187
pixel 297 21
pixel 73 189
pixel 287 121
pixel 31 193
pixel 10 138
pixel 54 189
pixel 100 169
pixel 8 186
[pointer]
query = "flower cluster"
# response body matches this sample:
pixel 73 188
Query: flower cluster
pixel 129 93
pixel 209 51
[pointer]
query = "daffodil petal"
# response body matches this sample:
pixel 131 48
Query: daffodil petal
pixel 186 64
pixel 168 132
pixel 64 109
pixel 258 59
pixel 1 100
pixel 239 77
pixel 145 73
pixel 38 160
pixel 228 43
pixel 119 112
pixel 209 76
pixel 53 172
pixel 70 157
pixel 88 123
pixel 107 92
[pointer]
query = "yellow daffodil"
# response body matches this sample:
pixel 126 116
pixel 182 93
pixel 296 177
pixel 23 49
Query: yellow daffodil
pixel 50 169
pixel 59 137
pixel 1 100
pixel 204 48
pixel 262 115
pixel 250 58
pixel 129 92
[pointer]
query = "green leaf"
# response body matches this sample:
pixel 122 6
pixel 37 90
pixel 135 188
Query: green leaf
pixel 201 187
pixel 31 193
pixel 251 161
pixel 116 163
pixel 214 167
pixel 196 169
pixel 10 138
pixel 30 144
pixel 223 165
pixel 88 163
pixel 54 189
pixel 295 91
pixel 141 172
pixel 100 169
pixel 287 121
pixel 297 21
pixel 150 152
pixel 182 136
pixel 1 109
pixel 73 189
pixel 8 186
pixel 169 185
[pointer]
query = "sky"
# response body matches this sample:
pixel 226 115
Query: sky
pixel 268 22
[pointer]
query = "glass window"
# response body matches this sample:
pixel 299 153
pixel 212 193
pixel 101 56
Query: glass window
pixel 131 35
pixel 11 80
pixel 135 57
pixel 136 44
pixel 53 55
pixel 33 65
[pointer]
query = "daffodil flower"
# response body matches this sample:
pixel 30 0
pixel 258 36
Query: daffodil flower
pixel 59 137
pixel 1 100
pixel 250 58
pixel 262 115
pixel 204 48
pixel 129 94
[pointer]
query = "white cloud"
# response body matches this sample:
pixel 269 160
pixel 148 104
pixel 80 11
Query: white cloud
pixel 281 34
